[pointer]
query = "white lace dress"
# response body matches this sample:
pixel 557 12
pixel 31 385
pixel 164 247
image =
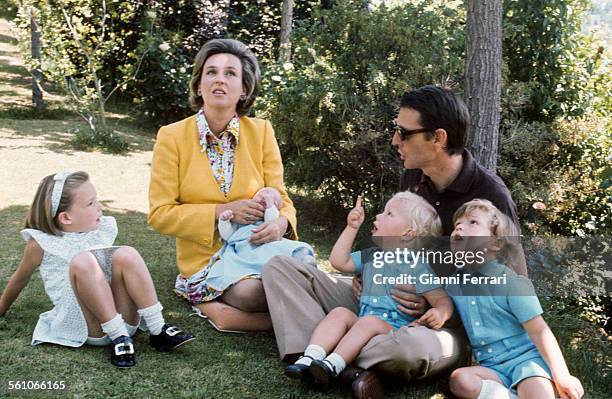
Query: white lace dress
pixel 65 323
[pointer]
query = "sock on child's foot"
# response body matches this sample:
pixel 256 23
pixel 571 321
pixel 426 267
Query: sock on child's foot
pixel 153 318
pixel 312 352
pixel 492 389
pixel 115 327
pixel 336 361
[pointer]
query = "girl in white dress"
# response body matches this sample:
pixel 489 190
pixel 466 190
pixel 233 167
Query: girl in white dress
pixel 99 291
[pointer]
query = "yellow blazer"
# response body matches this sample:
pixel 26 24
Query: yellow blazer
pixel 183 192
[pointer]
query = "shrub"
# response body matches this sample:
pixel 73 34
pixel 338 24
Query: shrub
pixel 563 164
pixel 543 46
pixel 333 108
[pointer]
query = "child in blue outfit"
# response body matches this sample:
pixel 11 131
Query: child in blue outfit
pixel 512 343
pixel 88 279
pixel 406 216
pixel 238 258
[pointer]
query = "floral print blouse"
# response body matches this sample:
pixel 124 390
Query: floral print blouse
pixel 220 150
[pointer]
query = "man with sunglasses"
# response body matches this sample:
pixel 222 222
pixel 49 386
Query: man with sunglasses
pixel 430 135
pixel 430 138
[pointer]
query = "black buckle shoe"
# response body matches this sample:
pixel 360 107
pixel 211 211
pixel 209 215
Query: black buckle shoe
pixel 322 372
pixel 169 338
pixel 299 371
pixel 122 354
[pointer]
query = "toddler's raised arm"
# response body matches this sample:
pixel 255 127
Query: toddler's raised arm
pixel 340 256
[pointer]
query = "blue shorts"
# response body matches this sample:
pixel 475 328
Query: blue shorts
pixel 528 364
pixel 394 318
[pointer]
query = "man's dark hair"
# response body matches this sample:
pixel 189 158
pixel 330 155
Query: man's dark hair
pixel 440 108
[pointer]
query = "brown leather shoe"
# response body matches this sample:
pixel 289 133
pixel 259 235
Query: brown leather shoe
pixel 367 386
pixel 348 375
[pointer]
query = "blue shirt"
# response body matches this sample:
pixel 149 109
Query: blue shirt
pixel 376 297
pixel 494 323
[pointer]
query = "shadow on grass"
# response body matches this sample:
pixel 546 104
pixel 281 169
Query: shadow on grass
pixel 57 135
pixel 30 112
pixel 6 38
pixel 17 73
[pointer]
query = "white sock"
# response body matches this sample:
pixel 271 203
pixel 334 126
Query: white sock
pixel 115 327
pixel 314 351
pixel 336 361
pixel 494 390
pixel 153 318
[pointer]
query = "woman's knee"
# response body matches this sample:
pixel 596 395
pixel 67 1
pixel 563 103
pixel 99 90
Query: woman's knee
pixel 464 384
pixel 246 295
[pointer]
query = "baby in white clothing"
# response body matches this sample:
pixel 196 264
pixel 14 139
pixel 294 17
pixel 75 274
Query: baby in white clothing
pixel 271 199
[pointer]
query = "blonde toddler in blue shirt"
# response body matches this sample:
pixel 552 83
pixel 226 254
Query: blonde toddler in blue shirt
pixel 406 217
pixel 515 348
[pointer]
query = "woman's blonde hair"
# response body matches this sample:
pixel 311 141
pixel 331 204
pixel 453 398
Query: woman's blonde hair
pixel 40 214
pixel 501 226
pixel 250 72
pixel 421 216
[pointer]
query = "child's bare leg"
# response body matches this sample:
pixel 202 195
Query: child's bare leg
pixel 324 338
pixel 359 335
pixel 92 291
pixel 466 382
pixel 332 328
pixel 132 282
pixel 536 387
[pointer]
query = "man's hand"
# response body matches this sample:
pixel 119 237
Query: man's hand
pixel 409 302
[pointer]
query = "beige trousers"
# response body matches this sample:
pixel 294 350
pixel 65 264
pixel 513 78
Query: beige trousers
pixel 300 296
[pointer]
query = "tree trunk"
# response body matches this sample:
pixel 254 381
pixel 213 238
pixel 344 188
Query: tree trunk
pixel 37 75
pixel 284 53
pixel 483 78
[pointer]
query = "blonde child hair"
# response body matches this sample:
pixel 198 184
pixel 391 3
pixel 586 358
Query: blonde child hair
pixel 501 227
pixel 41 216
pixel 422 217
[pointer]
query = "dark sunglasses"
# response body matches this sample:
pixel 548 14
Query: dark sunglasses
pixel 403 133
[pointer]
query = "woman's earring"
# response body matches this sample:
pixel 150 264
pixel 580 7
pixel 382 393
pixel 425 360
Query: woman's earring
pixel 243 97
pixel 199 92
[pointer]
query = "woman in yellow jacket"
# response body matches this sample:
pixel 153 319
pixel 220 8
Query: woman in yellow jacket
pixel 214 161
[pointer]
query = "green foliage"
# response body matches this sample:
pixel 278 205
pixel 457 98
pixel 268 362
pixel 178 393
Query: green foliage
pixel 77 38
pixel 86 139
pixel 543 46
pixel 8 9
pixel 180 28
pixel 561 164
pixel 333 107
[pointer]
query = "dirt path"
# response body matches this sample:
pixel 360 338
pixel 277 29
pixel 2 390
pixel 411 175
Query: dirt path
pixel 32 149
